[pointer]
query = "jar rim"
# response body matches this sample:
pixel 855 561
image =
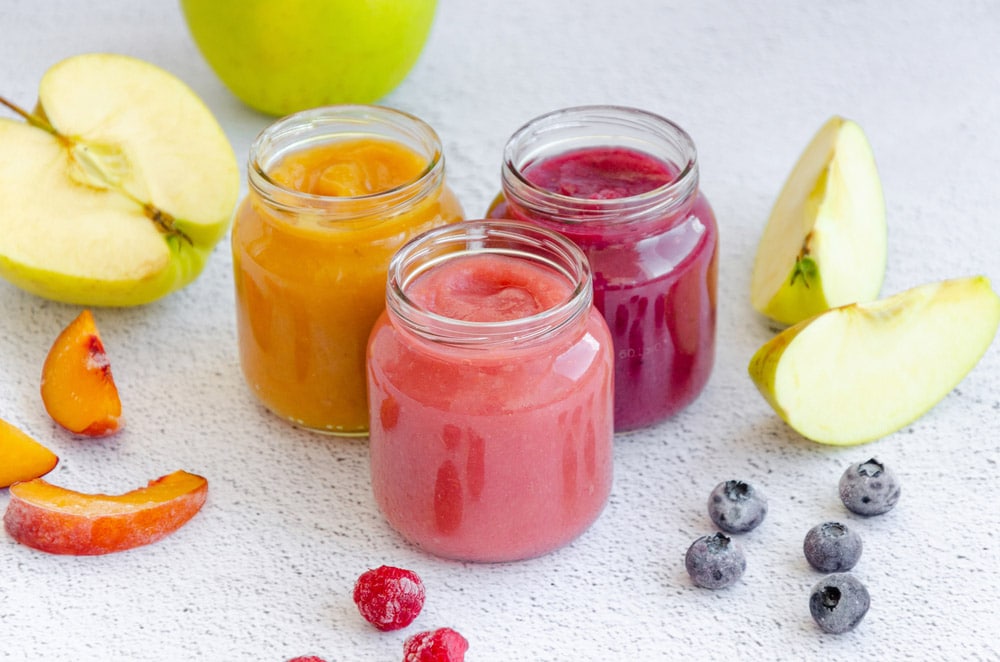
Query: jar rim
pixel 430 249
pixel 537 133
pixel 320 125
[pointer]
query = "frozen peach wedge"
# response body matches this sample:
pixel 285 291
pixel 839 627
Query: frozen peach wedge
pixel 21 457
pixel 61 521
pixel 77 387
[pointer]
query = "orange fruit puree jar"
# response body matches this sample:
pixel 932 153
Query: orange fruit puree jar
pixel 332 193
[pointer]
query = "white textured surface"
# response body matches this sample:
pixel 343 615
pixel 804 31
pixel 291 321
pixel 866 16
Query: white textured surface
pixel 265 571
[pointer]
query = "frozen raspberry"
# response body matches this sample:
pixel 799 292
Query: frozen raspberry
pixel 441 645
pixel 307 658
pixel 389 598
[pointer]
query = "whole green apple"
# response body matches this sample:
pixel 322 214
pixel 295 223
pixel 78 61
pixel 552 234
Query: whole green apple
pixel 282 57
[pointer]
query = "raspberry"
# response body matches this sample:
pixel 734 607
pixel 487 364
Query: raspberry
pixel 307 658
pixel 389 598
pixel 441 645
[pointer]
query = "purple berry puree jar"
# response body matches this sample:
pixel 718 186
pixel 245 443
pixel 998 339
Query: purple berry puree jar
pixel 623 184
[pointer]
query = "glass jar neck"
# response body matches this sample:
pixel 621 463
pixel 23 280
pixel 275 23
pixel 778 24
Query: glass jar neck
pixel 319 126
pixel 513 239
pixel 599 127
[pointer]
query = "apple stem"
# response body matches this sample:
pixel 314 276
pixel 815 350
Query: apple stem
pixel 33 120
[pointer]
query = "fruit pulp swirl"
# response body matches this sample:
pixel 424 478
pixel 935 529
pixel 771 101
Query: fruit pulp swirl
pixel 308 291
pixel 655 282
pixel 497 453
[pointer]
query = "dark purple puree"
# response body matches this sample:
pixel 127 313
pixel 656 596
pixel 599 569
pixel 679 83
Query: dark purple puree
pixel 600 174
pixel 654 280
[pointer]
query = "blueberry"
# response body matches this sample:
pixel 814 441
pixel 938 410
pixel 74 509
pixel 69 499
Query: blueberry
pixel 736 507
pixel 838 602
pixel 715 561
pixel 832 547
pixel 869 488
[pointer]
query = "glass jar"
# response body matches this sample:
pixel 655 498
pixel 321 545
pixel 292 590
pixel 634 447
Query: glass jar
pixel 622 184
pixel 310 260
pixel 491 393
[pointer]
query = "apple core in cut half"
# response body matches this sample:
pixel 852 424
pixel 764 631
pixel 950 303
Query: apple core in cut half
pixel 116 189
pixel 825 242
pixel 60 521
pixel 859 372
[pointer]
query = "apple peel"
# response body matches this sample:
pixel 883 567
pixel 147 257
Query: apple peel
pixel 862 371
pixel 57 520
pixel 281 58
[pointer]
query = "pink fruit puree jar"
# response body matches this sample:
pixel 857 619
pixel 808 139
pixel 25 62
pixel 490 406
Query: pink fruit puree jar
pixel 490 385
pixel 623 185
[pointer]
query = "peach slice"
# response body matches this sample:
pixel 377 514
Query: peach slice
pixel 61 521
pixel 21 457
pixel 77 387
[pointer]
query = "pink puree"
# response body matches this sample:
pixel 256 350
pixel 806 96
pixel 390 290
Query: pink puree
pixel 489 288
pixel 491 454
pixel 655 285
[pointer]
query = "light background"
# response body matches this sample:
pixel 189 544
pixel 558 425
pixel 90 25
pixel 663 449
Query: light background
pixel 265 571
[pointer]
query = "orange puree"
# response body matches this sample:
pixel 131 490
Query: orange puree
pixel 349 168
pixel 310 272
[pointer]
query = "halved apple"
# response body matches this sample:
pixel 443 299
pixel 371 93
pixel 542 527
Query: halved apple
pixel 116 189
pixel 78 390
pixel 862 371
pixel 61 521
pixel 825 242
pixel 21 457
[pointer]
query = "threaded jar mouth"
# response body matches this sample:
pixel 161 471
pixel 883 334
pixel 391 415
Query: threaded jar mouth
pixel 596 126
pixel 478 237
pixel 318 126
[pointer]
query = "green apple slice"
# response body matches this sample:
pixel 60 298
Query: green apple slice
pixel 117 189
pixel 862 371
pixel 825 242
